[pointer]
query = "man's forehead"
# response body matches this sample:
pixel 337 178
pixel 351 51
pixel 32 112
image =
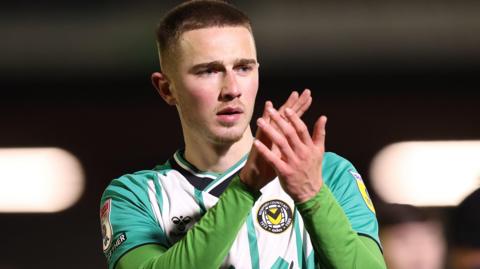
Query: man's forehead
pixel 217 39
pixel 222 28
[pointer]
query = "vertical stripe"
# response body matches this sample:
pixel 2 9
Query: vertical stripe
pixel 199 198
pixel 311 261
pixel 298 239
pixel 158 193
pixel 154 192
pixel 252 240
pixel 152 196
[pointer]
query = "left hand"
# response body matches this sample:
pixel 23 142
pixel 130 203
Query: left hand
pixel 299 167
pixel 257 172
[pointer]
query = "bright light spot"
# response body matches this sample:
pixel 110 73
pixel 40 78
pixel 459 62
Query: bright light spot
pixel 439 173
pixel 39 180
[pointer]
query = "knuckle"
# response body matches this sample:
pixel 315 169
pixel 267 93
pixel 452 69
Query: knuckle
pixel 302 154
pixel 288 173
pixel 303 128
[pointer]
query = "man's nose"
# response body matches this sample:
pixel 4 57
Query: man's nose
pixel 230 88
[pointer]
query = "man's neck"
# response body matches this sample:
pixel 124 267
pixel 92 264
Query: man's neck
pixel 211 157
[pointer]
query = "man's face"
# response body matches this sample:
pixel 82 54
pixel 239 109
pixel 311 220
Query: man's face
pixel 214 81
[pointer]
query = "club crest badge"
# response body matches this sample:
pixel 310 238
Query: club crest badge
pixel 363 190
pixel 274 216
pixel 181 223
pixel 107 232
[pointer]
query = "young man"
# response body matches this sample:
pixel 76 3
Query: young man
pixel 228 200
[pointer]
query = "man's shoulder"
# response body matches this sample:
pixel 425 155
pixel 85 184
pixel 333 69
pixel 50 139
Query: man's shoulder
pixel 128 183
pixel 140 177
pixel 134 183
pixel 337 169
pixel 134 178
pixel 332 159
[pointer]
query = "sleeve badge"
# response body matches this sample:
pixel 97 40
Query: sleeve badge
pixel 363 190
pixel 107 232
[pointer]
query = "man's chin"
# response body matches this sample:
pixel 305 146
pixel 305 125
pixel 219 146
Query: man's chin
pixel 227 139
pixel 229 136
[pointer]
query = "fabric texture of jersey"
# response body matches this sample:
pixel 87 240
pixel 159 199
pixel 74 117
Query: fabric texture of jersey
pixel 160 205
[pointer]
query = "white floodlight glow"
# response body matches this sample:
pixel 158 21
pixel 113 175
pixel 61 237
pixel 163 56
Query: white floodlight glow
pixel 39 180
pixel 427 173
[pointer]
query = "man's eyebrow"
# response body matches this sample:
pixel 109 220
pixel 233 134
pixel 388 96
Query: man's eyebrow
pixel 214 64
pixel 245 61
pixel 220 65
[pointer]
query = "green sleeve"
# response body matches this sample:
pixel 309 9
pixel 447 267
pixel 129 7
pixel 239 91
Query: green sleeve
pixel 334 241
pixel 207 243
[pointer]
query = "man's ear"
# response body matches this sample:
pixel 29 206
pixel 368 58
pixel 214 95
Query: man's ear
pixel 162 85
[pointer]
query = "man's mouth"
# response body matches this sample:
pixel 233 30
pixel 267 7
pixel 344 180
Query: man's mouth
pixel 229 115
pixel 230 111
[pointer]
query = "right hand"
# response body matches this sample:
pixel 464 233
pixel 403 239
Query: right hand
pixel 257 172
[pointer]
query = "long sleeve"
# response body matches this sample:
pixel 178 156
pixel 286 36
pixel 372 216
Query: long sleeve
pixel 335 243
pixel 207 243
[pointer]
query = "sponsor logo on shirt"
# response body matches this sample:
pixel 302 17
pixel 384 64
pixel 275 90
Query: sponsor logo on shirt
pixel 363 190
pixel 107 232
pixel 274 216
pixel 121 238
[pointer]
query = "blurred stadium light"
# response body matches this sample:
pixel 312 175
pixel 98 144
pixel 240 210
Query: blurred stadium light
pixel 39 180
pixel 427 173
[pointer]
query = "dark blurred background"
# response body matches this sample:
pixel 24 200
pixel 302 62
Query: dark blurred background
pixel 76 75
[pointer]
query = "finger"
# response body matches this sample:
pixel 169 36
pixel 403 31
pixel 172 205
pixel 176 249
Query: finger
pixel 266 116
pixel 268 106
pixel 299 106
pixel 292 99
pixel 305 107
pixel 286 128
pixel 300 128
pixel 276 137
pixel 319 131
pixel 274 160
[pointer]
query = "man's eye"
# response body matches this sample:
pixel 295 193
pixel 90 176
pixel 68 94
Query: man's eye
pixel 206 72
pixel 244 68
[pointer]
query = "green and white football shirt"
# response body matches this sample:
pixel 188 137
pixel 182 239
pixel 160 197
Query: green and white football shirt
pixel 161 205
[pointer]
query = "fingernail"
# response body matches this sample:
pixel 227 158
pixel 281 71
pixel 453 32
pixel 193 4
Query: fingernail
pixel 289 111
pixel 271 110
pixel 260 122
